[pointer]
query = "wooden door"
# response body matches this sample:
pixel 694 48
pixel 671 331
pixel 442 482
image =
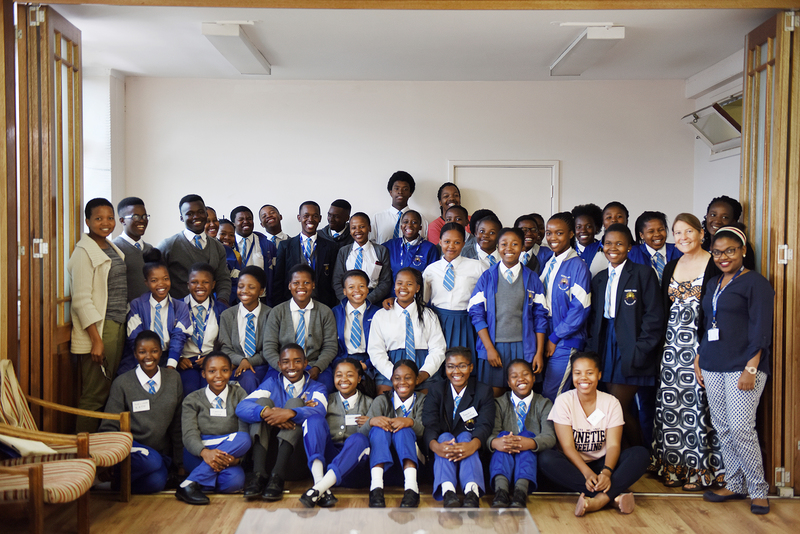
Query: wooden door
pixel 50 199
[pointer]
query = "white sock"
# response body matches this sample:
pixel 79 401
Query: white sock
pixel 377 478
pixel 410 475
pixel 327 482
pixel 472 486
pixel 448 486
pixel 317 470
pixel 185 483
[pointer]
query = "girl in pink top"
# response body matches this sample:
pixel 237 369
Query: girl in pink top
pixel 588 426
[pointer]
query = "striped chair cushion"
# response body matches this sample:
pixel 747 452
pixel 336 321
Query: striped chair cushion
pixel 105 448
pixel 64 482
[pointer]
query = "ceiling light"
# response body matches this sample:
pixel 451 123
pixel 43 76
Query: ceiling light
pixel 586 50
pixel 236 47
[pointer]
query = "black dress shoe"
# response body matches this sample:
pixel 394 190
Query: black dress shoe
pixel 471 500
pixel 191 494
pixel 274 489
pixel 710 496
pixel 451 500
pixel 253 486
pixel 759 509
pixel 519 499
pixel 328 500
pixel 376 499
pixel 309 498
pixel 410 499
pixel 501 499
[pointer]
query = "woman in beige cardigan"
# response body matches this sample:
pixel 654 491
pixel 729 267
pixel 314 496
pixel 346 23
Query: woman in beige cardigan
pixel 97 278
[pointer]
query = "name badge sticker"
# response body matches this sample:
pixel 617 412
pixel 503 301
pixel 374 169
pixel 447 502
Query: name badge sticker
pixel 469 413
pixel 218 412
pixel 596 417
pixel 713 334
pixel 141 406
pixel 351 419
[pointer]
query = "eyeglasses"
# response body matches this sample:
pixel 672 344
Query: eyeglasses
pixel 461 367
pixel 729 252
pixel 137 217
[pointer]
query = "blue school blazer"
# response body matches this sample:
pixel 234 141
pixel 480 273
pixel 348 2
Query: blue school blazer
pixel 270 253
pixel 571 302
pixel 179 323
pixel 640 255
pixel 340 313
pixel 418 256
pixel 483 314
pixel 216 306
pixel 234 266
pixel 249 410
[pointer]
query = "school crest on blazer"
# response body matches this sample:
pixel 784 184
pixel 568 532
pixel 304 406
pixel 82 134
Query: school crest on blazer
pixel 563 283
pixel 629 297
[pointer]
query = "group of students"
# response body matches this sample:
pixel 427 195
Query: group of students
pixel 450 336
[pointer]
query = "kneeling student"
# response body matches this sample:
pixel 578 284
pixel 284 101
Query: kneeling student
pixel 214 439
pixel 521 431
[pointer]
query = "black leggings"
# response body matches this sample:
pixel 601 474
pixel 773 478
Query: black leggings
pixel 631 466
pixel 632 431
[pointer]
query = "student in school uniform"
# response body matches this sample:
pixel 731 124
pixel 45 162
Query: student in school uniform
pixel 226 235
pixel 447 287
pixel 156 310
pixel 386 224
pixel 214 439
pixel 338 229
pixel 626 326
pixel 254 248
pixel 410 250
pixel 284 403
pixel 530 230
pixel 394 424
pixel 353 322
pixel 567 284
pixel 521 432
pixel 407 330
pixel 448 195
pixel 243 330
pixel 212 222
pixel 458 417
pixel 191 246
pixel 308 249
pixel 363 255
pixel 153 395
pixel 508 311
pixel 270 219
pixel 487 232
pixel 615 213
pixel 134 218
pixel 307 322
pixel 205 312
pixel 98 284
pixel 651 246
pixel 336 449
pixel 589 223
pixel 458 214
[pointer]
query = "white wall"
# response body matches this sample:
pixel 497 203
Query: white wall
pixel 258 142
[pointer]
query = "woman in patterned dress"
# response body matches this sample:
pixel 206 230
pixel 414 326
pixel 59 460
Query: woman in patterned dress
pixel 685 446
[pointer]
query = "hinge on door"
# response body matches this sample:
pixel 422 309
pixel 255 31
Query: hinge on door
pixel 781 476
pixel 17 33
pixel 784 254
pixel 792 20
pixel 35 15
pixel 39 248
pixel 22 253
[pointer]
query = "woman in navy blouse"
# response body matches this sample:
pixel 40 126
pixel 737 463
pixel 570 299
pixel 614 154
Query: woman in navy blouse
pixel 733 363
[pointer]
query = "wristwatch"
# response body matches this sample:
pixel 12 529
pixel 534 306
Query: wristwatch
pixel 751 370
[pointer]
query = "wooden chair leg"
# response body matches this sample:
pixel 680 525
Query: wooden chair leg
pixel 83 514
pixel 36 498
pixel 125 480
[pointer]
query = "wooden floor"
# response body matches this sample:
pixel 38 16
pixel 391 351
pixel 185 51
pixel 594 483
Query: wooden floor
pixel 553 513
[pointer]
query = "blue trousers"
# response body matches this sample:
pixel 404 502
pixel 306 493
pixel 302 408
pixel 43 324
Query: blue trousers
pixel 558 375
pixel 515 466
pixel 467 470
pixel 381 443
pixel 192 379
pixel 348 460
pixel 149 469
pixel 250 381
pixel 228 480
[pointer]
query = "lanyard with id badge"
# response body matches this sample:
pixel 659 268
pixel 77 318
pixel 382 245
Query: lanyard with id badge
pixel 713 332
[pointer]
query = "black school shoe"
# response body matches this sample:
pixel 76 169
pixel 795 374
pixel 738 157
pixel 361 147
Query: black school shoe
pixel 520 499
pixel 309 498
pixel 274 489
pixel 471 500
pixel 410 499
pixel 501 499
pixel 328 500
pixel 376 499
pixel 191 494
pixel 451 500
pixel 253 486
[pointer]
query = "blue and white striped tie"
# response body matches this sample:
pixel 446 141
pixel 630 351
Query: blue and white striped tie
pixel 360 258
pixel 198 242
pixel 522 411
pixel 456 402
pixel 250 335
pixel 300 333
pixel 510 276
pixel 274 240
pixel 137 245
pixel 158 324
pixel 290 389
pixel 355 331
pixel 550 266
pixel 151 387
pixel 410 345
pixel 396 233
pixel 345 404
pixel 492 260
pixel 405 410
pixel 658 263
pixel 199 327
pixel 607 309
pixel 217 403
pixel 525 258
pixel 449 277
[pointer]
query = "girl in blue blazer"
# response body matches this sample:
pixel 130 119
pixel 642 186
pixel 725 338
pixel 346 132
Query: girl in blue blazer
pixel 651 243
pixel 589 223
pixel 411 249
pixel 352 329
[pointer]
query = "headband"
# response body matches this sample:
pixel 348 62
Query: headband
pixel 735 231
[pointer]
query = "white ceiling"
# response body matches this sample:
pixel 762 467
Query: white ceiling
pixel 406 45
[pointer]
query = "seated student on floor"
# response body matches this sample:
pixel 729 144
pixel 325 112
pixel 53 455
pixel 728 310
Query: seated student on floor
pixel 354 321
pixel 521 432
pixel 591 460
pixel 394 424
pixel 243 331
pixel 366 256
pixel 153 395
pixel 410 249
pixel 458 417
pixel 307 322
pixel 205 312
pixel 487 232
pixel 407 330
pixel 283 402
pixel 214 439
pixel 334 440
pixel 157 311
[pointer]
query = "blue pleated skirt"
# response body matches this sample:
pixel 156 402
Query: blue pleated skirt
pixel 496 376
pixel 612 362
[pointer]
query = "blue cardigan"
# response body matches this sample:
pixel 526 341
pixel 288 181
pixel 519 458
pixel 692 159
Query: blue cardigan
pixel 419 256
pixel 179 323
pixel 339 313
pixel 640 255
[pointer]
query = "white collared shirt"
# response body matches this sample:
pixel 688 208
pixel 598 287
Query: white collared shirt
pixel 457 394
pixel 188 234
pixel 295 309
pixel 130 240
pixel 483 257
pixel 298 386
pixel 241 323
pixel 467 272
pixel 143 378
pixel 384 222
pixel 283 236
pixel 352 401
pixel 661 252
pixel 164 316
pixel 212 398
pixel 548 290
pixel 612 311
pixel 348 328
pixel 190 350
pixel 408 404
pixel 369 262
pixel 526 401
pixel 251 242
pixel 515 271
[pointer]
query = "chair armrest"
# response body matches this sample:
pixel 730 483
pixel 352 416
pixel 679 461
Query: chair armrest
pixel 81 441
pixel 70 409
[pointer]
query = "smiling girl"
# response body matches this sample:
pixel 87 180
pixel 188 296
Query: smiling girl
pixel 366 256
pixel 589 223
pixel 651 243
pixel 410 249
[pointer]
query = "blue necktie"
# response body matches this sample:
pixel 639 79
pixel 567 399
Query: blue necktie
pixel 492 260
pixel 307 251
pixel 658 263
pixel 151 387
pixel 199 326
pixel 158 325
pixel 274 240
pixel 300 333
pixel 346 404
pixel 198 242
pixel 522 411
pixel 360 258
pixel 410 346
pixel 290 390
pixel 456 402
pixel 137 245
pixel 405 410
pixel 355 331
pixel 510 276
pixel 396 233
pixel 449 277
pixel 250 335
pixel 525 258
pixel 607 309
pixel 552 264
pixel 217 403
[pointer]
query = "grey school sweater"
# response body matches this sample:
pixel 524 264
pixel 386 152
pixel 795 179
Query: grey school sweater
pixel 134 263
pixel 159 427
pixel 179 255
pixel 383 406
pixel 197 421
